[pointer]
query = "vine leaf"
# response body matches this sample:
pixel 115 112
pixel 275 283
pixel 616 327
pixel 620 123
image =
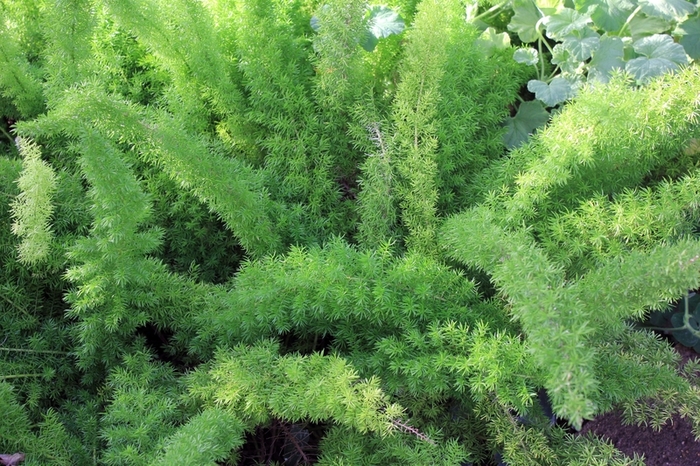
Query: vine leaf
pixel 609 15
pixel 527 56
pixel 670 10
pixel 525 18
pixel 608 57
pixel 530 116
pixel 690 40
pixel 565 22
pixel 581 44
pixel 553 93
pixel 661 54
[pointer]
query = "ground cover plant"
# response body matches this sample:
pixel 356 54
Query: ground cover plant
pixel 292 232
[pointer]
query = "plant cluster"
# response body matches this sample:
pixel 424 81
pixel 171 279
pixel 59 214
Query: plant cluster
pixel 288 232
pixel 570 43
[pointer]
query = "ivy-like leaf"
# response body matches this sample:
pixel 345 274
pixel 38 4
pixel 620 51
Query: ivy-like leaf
pixel 490 41
pixel 670 10
pixel 690 40
pixel 608 57
pixel 528 56
pixel 530 116
pixel 525 18
pixel 553 93
pixel 661 54
pixel 582 44
pixel 609 15
pixel 565 22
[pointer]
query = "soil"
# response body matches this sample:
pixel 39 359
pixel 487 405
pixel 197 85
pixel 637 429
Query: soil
pixel 674 445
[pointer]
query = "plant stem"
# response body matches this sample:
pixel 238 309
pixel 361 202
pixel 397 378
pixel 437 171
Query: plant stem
pixel 19 376
pixel 629 19
pixel 19 350
pixel 493 9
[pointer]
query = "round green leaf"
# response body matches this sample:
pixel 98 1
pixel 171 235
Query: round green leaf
pixel 683 336
pixel 582 44
pixel 525 18
pixel 606 58
pixel 565 22
pixel 670 10
pixel 690 40
pixel 383 22
pixel 527 56
pixel 553 93
pixel 530 116
pixel 661 46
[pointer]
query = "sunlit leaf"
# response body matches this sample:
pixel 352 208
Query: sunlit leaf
pixel 527 56
pixel 606 58
pixel 549 6
pixel 643 26
pixel 671 10
pixel 525 18
pixel 554 93
pixel 565 22
pixel 530 116
pixel 384 21
pixel 490 40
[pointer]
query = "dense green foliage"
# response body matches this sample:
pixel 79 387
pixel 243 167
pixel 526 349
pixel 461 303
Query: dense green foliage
pixel 229 237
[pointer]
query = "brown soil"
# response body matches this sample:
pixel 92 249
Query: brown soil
pixel 674 445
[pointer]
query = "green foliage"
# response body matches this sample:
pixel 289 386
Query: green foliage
pixel 248 215
pixel 32 208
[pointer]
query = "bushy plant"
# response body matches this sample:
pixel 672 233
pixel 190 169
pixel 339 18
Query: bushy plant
pixel 223 218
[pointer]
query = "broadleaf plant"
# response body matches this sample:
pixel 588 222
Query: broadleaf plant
pixel 587 40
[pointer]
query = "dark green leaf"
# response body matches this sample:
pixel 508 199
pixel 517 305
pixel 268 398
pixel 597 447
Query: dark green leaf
pixel 525 17
pixel 690 40
pixel 369 41
pixel 608 57
pixel 670 10
pixel 645 69
pixel 530 116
